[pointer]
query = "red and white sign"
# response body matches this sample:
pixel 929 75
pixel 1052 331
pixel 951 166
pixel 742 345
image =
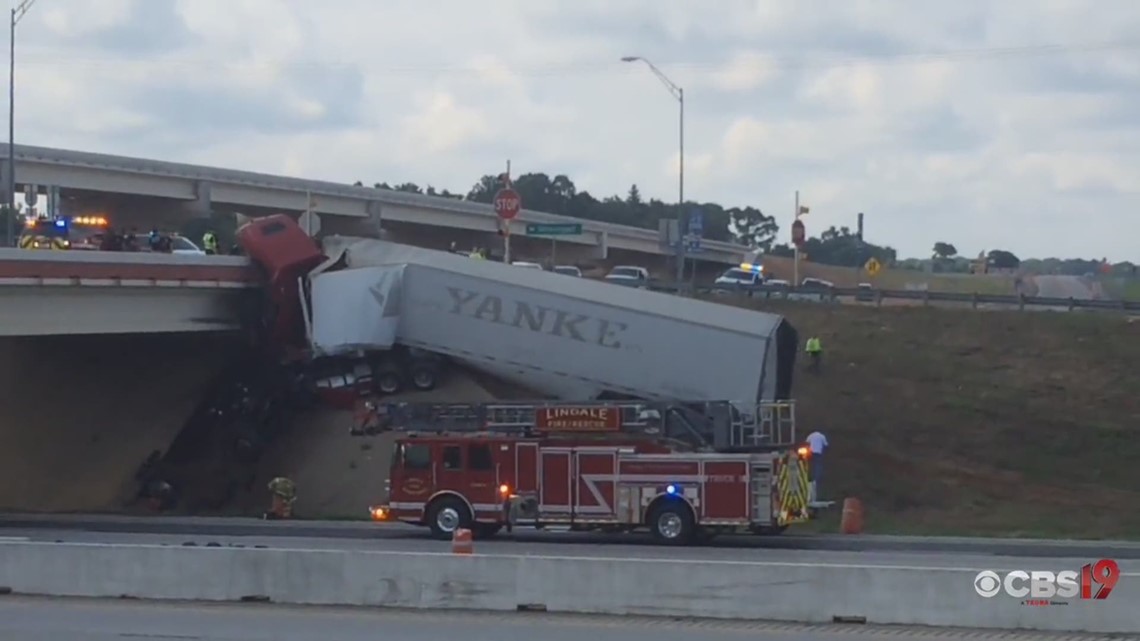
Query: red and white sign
pixel 508 202
pixel 1094 581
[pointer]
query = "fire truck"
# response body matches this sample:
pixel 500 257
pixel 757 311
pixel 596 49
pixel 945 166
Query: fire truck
pixel 686 472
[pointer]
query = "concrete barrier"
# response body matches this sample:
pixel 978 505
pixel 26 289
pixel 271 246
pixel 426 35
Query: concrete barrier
pixel 799 592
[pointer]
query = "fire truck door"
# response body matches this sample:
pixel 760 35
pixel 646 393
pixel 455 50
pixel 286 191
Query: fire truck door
pixel 596 473
pixel 483 478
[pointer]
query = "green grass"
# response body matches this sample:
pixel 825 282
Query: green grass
pixel 953 422
pixel 1124 290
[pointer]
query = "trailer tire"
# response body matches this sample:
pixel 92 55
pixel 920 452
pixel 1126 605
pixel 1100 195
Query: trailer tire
pixel 424 375
pixel 671 522
pixel 447 514
pixel 387 380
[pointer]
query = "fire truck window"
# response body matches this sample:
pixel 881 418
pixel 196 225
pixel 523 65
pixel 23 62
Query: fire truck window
pixel 479 458
pixel 452 458
pixel 417 457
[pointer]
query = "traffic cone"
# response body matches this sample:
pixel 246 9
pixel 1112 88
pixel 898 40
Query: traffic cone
pixel 852 520
pixel 461 542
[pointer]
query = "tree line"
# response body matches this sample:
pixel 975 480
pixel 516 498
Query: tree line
pixel 747 225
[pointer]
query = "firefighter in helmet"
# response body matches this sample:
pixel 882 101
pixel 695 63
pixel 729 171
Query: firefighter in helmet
pixel 284 493
pixel 210 243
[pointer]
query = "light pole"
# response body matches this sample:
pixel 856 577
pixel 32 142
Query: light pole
pixel 679 94
pixel 18 13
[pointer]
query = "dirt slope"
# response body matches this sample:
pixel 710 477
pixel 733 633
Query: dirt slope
pixel 81 413
pixel 339 476
pixel 954 421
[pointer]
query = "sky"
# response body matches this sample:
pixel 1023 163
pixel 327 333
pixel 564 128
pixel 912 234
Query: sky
pixel 1011 124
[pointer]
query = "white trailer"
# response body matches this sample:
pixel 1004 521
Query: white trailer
pixel 573 339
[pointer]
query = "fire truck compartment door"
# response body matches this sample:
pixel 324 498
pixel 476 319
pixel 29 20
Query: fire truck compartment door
pixel 555 470
pixel 594 492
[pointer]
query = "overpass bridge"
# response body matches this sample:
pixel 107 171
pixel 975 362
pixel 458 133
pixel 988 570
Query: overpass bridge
pixel 88 292
pixel 412 216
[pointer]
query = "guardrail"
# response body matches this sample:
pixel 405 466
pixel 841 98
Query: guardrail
pixel 877 296
pixel 817 592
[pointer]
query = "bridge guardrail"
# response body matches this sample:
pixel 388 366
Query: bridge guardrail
pixel 876 296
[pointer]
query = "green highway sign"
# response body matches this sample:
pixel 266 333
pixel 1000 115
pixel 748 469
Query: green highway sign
pixel 554 229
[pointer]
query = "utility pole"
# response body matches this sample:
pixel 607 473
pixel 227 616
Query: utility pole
pixel 18 13
pixel 679 94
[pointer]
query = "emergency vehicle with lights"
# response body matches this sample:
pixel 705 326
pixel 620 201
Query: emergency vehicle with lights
pixel 685 472
pixel 63 232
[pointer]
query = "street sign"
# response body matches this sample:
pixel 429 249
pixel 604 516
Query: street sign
pixel 507 202
pixel 696 222
pixel 872 266
pixel 310 221
pixel 554 229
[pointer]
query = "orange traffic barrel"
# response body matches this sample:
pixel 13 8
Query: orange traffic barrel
pixel 461 541
pixel 852 520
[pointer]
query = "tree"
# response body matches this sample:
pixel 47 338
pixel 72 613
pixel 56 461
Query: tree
pixel 944 250
pixel 751 227
pixel 1002 259
pixel 839 246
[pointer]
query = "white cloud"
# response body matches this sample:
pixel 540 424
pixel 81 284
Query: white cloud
pixel 848 101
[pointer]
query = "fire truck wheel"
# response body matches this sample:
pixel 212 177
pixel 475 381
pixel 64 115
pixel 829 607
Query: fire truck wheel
pixel 672 522
pixel 445 515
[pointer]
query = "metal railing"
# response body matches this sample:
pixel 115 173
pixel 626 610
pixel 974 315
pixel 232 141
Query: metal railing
pixel 877 296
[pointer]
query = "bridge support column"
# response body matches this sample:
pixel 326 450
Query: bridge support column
pixel 202 205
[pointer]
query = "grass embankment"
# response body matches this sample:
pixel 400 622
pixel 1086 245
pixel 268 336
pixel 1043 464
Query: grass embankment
pixel 892 279
pixel 961 423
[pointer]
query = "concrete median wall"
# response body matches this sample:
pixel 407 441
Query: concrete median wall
pixel 763 591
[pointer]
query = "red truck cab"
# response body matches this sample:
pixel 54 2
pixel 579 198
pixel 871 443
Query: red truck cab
pixel 285 253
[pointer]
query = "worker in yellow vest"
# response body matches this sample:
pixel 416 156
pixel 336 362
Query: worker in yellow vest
pixel 814 351
pixel 210 243
pixel 284 493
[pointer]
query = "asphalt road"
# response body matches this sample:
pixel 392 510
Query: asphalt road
pixel 27 619
pixel 882 550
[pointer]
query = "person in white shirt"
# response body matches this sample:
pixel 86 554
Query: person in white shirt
pixel 818 444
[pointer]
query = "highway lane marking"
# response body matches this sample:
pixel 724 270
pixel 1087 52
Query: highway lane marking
pixel 14 538
pixel 575 559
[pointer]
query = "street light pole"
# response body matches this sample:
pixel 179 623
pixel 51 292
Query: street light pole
pixel 678 93
pixel 18 13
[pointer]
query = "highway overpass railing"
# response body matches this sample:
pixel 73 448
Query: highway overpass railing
pixel 877 297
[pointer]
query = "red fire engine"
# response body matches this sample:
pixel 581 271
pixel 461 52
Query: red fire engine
pixel 686 472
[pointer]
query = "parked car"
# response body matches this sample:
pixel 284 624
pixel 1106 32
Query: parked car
pixel 629 275
pixel 525 264
pixel 567 270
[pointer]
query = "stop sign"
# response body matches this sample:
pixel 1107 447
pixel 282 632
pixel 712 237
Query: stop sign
pixel 507 203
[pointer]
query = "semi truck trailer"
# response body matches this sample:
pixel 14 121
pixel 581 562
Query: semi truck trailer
pixel 567 338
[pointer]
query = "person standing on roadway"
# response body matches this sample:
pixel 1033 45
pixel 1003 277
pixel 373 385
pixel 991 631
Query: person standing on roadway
pixel 814 351
pixel 210 243
pixel 818 444
pixel 284 494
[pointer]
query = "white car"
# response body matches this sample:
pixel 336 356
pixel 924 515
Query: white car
pixel 628 275
pixel 567 270
pixel 739 277
pixel 183 245
pixel 525 264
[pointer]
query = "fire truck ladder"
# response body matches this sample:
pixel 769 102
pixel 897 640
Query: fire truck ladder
pixel 770 425
pixel 656 420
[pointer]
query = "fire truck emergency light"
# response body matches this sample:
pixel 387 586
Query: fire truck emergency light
pixel 671 489
pixel 804 451
pixel 504 489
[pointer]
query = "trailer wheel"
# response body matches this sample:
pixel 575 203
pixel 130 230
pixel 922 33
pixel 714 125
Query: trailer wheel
pixel 387 379
pixel 424 375
pixel 447 514
pixel 671 522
